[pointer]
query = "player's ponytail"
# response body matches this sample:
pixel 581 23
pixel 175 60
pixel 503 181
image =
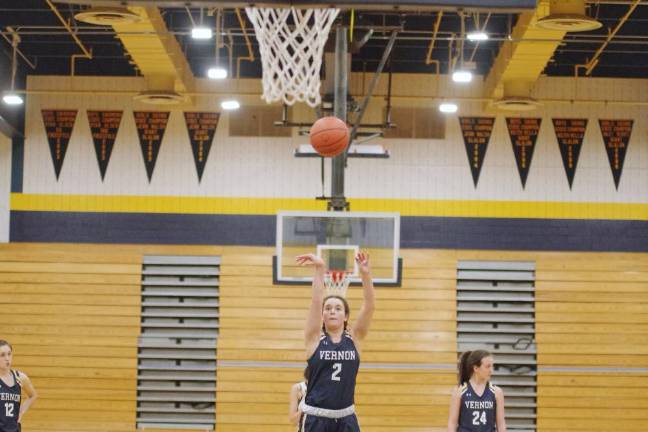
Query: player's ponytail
pixel 464 372
pixel 306 373
pixel 467 361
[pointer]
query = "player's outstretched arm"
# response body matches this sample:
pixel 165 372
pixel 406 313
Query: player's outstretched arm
pixel 29 389
pixel 293 407
pixel 455 405
pixel 361 325
pixel 500 421
pixel 314 319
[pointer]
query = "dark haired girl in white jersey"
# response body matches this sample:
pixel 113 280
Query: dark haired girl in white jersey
pixel 297 393
pixel 476 404
pixel 332 351
pixel 12 384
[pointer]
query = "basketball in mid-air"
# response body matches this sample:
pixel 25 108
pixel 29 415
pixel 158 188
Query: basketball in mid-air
pixel 329 136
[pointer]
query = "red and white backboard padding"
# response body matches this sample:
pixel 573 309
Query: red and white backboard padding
pixel 337 237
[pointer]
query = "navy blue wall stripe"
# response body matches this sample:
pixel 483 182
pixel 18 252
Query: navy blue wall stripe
pixel 259 230
pixel 17 158
pixel 524 234
pixel 142 228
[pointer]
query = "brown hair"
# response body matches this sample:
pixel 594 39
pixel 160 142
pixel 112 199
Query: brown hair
pixel 468 361
pixel 4 342
pixel 306 373
pixel 346 309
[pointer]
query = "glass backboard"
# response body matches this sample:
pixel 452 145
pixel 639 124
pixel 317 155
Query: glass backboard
pixel 337 237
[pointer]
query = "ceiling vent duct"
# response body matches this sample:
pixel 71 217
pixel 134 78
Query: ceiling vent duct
pixel 159 97
pixel 108 16
pixel 568 16
pixel 517 97
pixel 516 103
pixel 160 91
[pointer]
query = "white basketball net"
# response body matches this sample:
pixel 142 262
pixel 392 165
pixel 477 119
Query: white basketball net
pixel 336 282
pixel 291 42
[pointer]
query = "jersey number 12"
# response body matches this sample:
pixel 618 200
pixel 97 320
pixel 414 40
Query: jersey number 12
pixel 9 408
pixel 337 369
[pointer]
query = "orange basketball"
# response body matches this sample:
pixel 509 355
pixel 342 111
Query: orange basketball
pixel 329 136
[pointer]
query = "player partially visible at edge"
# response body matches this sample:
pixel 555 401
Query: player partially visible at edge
pixel 12 385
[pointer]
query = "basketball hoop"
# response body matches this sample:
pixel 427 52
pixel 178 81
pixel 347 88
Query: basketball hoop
pixel 337 282
pixel 291 42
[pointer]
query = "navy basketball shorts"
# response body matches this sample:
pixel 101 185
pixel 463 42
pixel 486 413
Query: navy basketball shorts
pixel 324 424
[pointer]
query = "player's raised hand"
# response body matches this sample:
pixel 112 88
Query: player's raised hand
pixel 362 258
pixel 309 259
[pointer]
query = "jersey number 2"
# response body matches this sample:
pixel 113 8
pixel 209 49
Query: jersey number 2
pixel 479 419
pixel 9 407
pixel 337 368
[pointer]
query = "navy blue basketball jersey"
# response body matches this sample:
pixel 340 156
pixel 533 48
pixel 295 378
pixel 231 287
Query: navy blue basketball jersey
pixel 477 413
pixel 10 404
pixel 333 369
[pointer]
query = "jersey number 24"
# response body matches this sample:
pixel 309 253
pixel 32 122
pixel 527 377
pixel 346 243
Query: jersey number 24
pixel 479 418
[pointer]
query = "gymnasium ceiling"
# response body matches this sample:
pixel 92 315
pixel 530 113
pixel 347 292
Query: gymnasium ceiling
pixel 52 42
pixel 46 46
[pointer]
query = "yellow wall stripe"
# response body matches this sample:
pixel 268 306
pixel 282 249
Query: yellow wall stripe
pixel 260 206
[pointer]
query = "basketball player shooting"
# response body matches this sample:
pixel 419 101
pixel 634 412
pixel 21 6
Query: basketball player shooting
pixel 332 350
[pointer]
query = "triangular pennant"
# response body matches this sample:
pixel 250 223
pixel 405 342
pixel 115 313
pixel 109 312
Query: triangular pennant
pixel 524 134
pixel 58 128
pixel 150 129
pixel 476 133
pixel 201 127
pixel 104 126
pixel 616 137
pixel 570 134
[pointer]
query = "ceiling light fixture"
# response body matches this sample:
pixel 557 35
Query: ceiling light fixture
pixel 217 73
pixel 448 107
pixel 11 97
pixel 462 73
pixel 477 36
pixel 201 33
pixel 230 105
pixel 462 76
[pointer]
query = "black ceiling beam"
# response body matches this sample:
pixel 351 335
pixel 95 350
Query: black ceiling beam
pixel 401 5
